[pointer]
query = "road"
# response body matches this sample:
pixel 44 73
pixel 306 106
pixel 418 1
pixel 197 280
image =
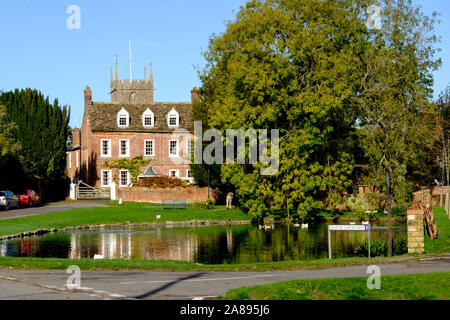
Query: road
pixel 101 285
pixel 52 207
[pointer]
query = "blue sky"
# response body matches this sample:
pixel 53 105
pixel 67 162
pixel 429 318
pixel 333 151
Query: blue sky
pixel 39 51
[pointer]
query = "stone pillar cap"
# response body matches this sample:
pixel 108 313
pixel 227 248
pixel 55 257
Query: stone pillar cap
pixel 415 211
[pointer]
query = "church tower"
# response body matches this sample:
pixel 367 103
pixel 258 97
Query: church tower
pixel 136 91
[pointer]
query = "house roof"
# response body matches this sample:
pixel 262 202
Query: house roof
pixel 103 116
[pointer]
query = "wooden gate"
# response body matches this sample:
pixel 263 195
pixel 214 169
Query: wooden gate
pixel 87 192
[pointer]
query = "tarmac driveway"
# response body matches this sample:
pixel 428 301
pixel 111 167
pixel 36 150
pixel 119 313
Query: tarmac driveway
pixel 52 207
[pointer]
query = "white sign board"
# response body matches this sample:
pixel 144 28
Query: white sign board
pixel 349 227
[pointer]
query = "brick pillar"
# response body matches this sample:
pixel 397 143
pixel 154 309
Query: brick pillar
pixel 87 97
pixel 415 231
pixel 75 137
pixel 194 94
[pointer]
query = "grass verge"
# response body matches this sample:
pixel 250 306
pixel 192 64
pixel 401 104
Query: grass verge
pixel 442 243
pixel 132 204
pixel 431 286
pixel 106 264
pixel 108 215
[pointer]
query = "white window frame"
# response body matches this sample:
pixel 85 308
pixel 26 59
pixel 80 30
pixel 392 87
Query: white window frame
pixel 173 113
pixel 128 148
pixel 120 178
pixel 123 113
pixel 153 148
pixel 77 159
pixel 187 173
pixel 148 114
pixel 177 173
pixel 109 178
pixel 189 143
pixel 177 151
pixel 70 160
pixel 101 148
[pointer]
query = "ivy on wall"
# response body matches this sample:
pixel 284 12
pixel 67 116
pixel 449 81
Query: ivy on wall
pixel 133 166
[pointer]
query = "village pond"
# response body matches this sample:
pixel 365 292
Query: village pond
pixel 206 244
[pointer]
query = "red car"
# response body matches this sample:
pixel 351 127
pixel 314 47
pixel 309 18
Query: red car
pixel 29 198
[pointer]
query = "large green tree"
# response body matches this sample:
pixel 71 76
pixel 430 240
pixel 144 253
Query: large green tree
pixel 293 66
pixel 339 91
pixel 442 133
pixel 397 117
pixel 10 159
pixel 42 130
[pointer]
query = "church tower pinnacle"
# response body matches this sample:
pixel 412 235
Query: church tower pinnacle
pixel 135 91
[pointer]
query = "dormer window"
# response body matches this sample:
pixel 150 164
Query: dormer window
pixel 148 119
pixel 123 118
pixel 173 119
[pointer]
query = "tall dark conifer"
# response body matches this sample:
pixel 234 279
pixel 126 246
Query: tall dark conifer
pixel 42 129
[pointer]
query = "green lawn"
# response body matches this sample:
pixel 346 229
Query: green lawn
pixel 442 243
pixel 132 204
pixel 431 286
pixel 135 264
pixel 115 214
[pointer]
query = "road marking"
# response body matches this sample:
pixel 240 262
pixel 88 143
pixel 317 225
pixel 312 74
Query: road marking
pixel 199 280
pixel 101 291
pixel 202 298
pixel 90 291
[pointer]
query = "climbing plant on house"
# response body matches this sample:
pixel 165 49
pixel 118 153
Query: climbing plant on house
pixel 133 166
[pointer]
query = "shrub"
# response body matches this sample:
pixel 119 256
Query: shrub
pixel 357 203
pixel 207 204
pixel 161 182
pixel 55 245
pixel 379 247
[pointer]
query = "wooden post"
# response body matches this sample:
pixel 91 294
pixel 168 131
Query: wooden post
pixel 389 209
pixel 447 201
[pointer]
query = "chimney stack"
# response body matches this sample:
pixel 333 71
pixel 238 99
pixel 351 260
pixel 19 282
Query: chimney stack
pixel 75 137
pixel 87 97
pixel 194 95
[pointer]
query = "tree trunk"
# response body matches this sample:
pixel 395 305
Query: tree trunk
pixel 389 210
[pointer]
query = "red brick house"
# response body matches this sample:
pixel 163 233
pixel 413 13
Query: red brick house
pixel 131 125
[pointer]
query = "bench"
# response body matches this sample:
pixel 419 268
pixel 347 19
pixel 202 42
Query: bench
pixel 173 204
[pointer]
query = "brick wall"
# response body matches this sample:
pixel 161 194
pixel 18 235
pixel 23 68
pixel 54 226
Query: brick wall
pixel 73 166
pixel 190 194
pixel 160 162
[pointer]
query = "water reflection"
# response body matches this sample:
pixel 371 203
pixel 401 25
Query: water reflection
pixel 219 244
